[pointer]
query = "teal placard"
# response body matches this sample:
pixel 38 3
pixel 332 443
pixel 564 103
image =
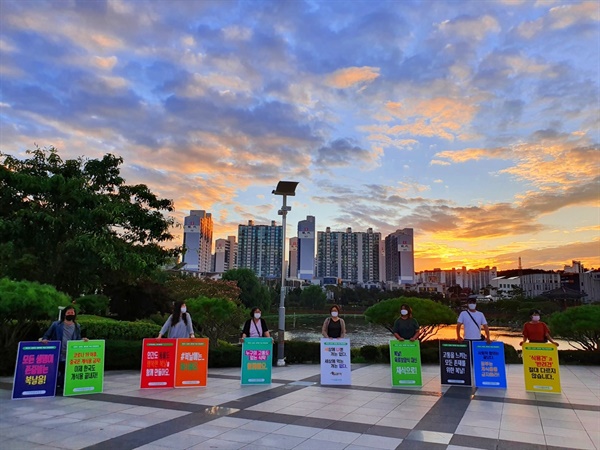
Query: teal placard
pixel 84 367
pixel 405 361
pixel 257 360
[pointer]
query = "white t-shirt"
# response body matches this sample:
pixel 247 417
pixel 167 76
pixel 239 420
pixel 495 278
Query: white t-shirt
pixel 472 331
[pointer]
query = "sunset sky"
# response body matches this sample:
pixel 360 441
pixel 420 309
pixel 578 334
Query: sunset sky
pixel 476 123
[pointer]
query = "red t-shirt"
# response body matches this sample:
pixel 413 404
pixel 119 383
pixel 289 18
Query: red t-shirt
pixel 535 332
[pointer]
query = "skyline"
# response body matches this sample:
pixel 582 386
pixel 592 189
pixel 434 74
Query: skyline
pixel 474 123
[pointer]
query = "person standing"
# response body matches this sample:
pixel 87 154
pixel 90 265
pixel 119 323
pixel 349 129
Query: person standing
pixel 334 326
pixel 473 321
pixel 536 331
pixel 64 330
pixel 179 324
pixel 405 326
pixel 256 326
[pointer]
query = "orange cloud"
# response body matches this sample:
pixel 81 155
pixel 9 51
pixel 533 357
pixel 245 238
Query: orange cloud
pixel 345 78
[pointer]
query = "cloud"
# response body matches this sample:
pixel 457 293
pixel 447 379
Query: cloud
pixel 472 28
pixel 343 152
pixel 345 78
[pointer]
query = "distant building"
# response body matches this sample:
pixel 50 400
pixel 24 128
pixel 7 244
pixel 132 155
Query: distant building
pixel 197 241
pixel 225 254
pixel 293 258
pixel 535 284
pixel 400 257
pixel 306 249
pixel 504 286
pixel 476 279
pixel 260 249
pixel 348 256
pixel 590 284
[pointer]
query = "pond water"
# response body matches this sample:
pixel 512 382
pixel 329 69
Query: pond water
pixel 308 328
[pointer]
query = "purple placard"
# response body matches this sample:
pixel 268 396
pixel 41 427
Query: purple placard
pixel 36 370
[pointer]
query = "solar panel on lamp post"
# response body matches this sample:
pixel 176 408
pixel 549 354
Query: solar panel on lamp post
pixel 285 189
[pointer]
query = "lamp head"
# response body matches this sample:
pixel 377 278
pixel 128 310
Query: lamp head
pixel 286 188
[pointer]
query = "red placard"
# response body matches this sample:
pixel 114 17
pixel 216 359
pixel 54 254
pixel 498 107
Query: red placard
pixel 158 363
pixel 192 362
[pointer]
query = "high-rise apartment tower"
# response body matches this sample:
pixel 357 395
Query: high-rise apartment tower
pixel 197 241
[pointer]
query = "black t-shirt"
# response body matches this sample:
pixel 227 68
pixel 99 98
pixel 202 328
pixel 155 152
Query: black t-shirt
pixel 334 328
pixel 406 328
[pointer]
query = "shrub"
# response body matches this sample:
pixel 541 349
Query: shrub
pixel 299 352
pixel 225 356
pixel 123 355
pixel 96 327
pixel 370 353
pixel 96 305
pixel 579 357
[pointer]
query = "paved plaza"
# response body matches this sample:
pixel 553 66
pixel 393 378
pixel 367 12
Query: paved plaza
pixel 296 412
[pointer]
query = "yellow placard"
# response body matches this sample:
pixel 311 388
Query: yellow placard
pixel 540 366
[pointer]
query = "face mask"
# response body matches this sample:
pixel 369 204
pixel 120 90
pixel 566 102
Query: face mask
pixel 70 317
pixel 334 313
pixel 404 312
pixel 535 318
pixel 183 309
pixel 472 305
pixel 257 315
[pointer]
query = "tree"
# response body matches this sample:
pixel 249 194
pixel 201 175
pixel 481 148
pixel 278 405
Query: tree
pixel 218 318
pixel 183 287
pixel 253 293
pixel 138 300
pixel 96 305
pixel 21 304
pixel 75 224
pixel 313 297
pixel 579 325
pixel 428 313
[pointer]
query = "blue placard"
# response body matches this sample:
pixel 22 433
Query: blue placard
pixel 488 364
pixel 36 369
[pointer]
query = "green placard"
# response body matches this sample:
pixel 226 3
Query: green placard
pixel 84 367
pixel 405 361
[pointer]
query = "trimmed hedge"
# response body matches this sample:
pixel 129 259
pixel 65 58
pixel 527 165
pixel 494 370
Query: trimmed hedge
pixel 95 327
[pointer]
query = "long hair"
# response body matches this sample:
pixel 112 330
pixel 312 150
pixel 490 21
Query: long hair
pixel 63 313
pixel 408 308
pixel 177 314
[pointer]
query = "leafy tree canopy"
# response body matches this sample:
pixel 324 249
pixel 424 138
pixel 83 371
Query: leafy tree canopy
pixel 75 224
pixel 218 318
pixel 428 313
pixel 183 287
pixel 22 303
pixel 313 297
pixel 580 325
pixel 253 292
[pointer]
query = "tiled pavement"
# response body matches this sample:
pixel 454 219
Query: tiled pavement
pixel 295 412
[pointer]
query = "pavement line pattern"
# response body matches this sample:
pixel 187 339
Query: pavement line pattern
pixel 442 423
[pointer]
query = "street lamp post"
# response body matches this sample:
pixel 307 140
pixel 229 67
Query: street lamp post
pixel 284 188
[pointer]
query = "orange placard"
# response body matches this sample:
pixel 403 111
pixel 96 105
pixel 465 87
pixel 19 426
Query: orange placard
pixel 191 362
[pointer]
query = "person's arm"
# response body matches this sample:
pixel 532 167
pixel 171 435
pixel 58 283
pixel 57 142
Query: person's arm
pixel 396 330
pixel 417 331
pixel 246 330
pixel 343 335
pixel 48 334
pixel 488 340
pixel 459 338
pixel 525 335
pixel 190 326
pixel 165 327
pixel 324 328
pixel 263 325
pixel 548 335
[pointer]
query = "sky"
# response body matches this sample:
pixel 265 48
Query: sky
pixel 474 122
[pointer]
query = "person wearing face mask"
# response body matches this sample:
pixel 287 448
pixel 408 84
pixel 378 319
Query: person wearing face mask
pixel 536 331
pixel 334 326
pixel 473 321
pixel 406 327
pixel 255 326
pixel 64 330
pixel 179 324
